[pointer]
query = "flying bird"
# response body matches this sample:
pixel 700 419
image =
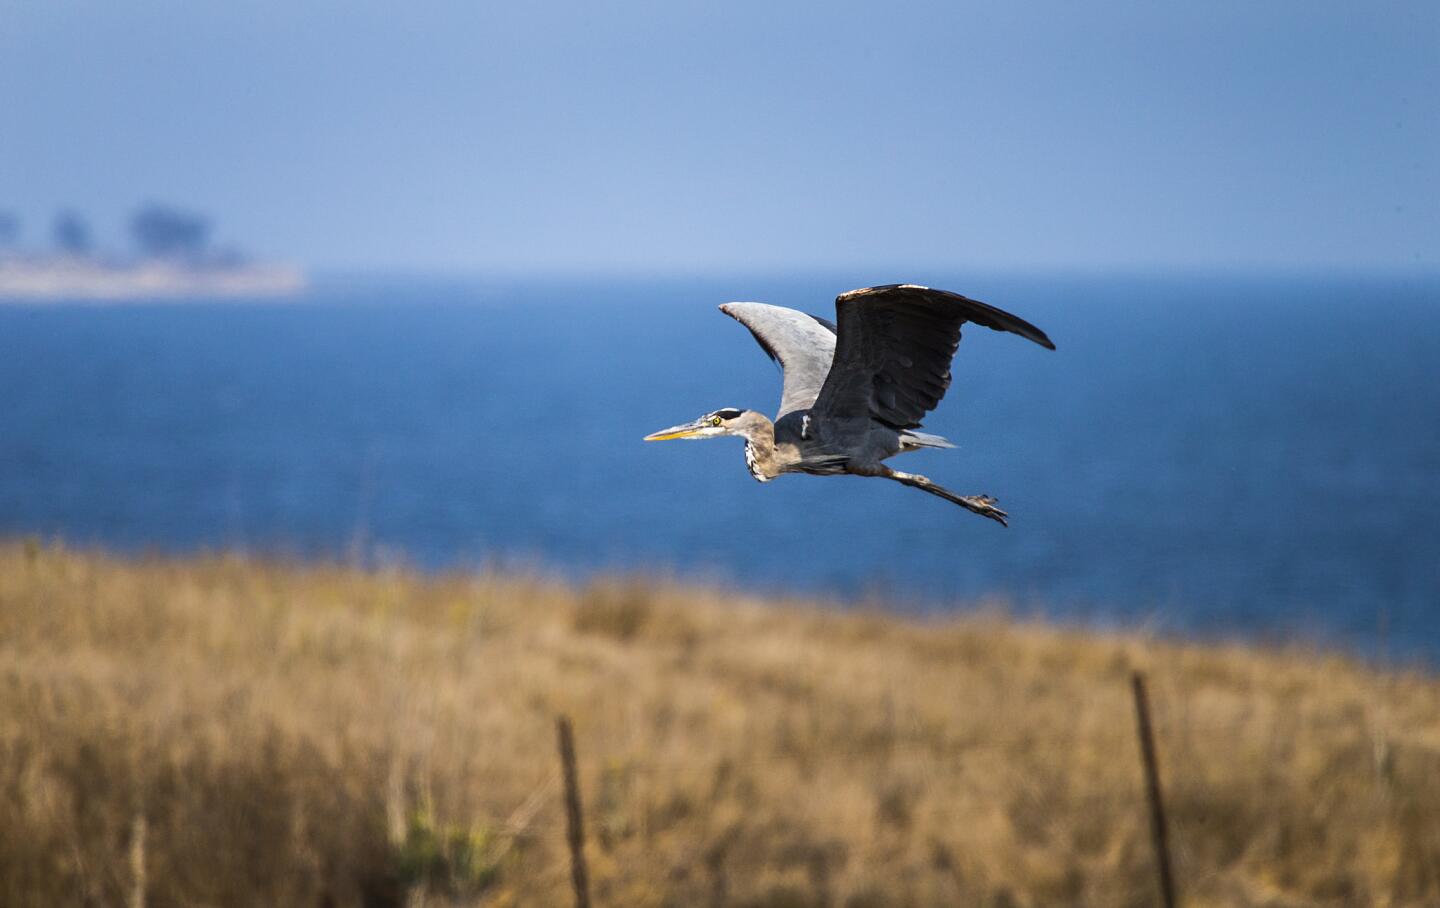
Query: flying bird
pixel 855 390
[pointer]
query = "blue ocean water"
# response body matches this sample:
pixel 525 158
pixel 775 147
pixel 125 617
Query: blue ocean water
pixel 1252 456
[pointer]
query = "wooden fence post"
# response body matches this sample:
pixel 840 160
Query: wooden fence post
pixel 574 826
pixel 137 861
pixel 1158 831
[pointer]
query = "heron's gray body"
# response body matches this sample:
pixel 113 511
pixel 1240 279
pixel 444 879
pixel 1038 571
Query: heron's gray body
pixel 805 444
pixel 855 390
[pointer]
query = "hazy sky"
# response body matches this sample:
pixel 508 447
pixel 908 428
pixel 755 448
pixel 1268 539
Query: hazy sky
pixel 672 135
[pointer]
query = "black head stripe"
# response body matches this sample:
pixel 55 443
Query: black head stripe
pixel 728 413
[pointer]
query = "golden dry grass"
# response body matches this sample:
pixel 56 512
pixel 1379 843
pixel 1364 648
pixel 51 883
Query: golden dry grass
pixel 221 731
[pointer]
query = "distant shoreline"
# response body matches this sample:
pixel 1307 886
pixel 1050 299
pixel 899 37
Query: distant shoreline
pixel 82 279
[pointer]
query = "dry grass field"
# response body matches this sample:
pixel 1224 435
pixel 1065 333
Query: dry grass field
pixel 221 731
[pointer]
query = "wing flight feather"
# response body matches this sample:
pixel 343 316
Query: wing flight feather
pixel 802 344
pixel 894 347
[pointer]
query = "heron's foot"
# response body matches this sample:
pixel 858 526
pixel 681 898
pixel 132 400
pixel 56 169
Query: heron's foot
pixel 984 505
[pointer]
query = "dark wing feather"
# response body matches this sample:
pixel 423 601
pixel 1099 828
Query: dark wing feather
pixel 802 344
pixel 894 346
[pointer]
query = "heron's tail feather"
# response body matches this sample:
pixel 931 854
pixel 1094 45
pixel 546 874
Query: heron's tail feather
pixel 911 440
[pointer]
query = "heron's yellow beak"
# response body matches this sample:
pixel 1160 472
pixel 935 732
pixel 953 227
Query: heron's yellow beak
pixel 688 430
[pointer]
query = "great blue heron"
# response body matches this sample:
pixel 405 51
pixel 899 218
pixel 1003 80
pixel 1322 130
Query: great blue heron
pixel 854 391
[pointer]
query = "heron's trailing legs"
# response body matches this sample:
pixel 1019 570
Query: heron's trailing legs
pixel 983 505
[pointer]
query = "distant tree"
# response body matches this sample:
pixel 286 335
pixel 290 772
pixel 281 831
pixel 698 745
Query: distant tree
pixel 9 229
pixel 72 234
pixel 164 232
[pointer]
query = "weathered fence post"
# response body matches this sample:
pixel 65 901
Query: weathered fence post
pixel 137 861
pixel 1158 831
pixel 574 828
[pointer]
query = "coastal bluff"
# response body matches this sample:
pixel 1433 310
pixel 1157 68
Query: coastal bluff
pixel 231 730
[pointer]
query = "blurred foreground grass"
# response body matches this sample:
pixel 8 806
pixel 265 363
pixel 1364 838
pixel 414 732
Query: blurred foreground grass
pixel 222 731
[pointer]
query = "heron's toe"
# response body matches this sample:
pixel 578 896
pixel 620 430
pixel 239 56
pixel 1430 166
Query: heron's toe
pixel 984 505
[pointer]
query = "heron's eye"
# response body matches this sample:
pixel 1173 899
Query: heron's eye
pixel 715 420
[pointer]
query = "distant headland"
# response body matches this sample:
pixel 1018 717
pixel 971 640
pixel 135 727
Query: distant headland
pixel 172 258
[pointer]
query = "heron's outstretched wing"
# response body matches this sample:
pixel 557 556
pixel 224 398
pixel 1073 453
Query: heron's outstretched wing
pixel 802 344
pixel 895 343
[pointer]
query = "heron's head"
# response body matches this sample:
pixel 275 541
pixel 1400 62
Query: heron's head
pixel 728 421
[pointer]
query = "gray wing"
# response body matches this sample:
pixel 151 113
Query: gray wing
pixel 892 359
pixel 802 344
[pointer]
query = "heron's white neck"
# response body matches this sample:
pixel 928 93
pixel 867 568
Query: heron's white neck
pixel 759 434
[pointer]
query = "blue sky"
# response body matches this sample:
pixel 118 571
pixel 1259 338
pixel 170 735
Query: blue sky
pixel 672 136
